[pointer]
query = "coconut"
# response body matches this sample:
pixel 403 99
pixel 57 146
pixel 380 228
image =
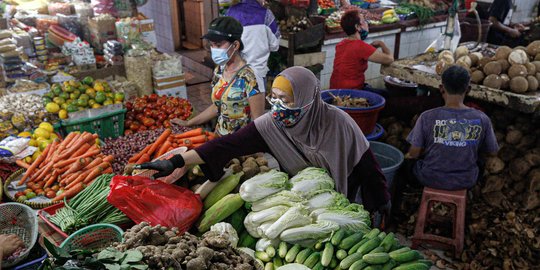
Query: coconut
pixel 502 52
pixel 441 67
pixel 534 48
pixel 533 83
pixel 484 61
pixel 517 70
pixel 461 51
pixel 518 57
pixel 537 65
pixel 519 84
pixel 504 65
pixel 474 59
pixel 531 68
pixel 465 61
pixel 492 68
pixel 538 76
pixel 493 81
pixel 505 81
pixel 477 76
pixel 537 57
pixel 445 53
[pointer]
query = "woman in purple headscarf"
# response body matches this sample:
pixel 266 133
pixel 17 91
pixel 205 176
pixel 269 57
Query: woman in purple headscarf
pixel 300 131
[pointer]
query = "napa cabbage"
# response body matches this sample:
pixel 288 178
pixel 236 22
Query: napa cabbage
pixel 263 185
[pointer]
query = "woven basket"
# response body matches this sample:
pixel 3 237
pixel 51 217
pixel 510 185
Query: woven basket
pixel 94 237
pixel 177 174
pixel 19 219
pixel 10 192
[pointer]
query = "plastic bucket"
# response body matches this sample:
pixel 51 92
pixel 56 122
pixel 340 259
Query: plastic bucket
pixel 366 118
pixel 388 157
pixel 376 134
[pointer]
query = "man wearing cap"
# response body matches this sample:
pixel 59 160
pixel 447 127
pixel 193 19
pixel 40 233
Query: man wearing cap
pixel 234 81
pixel 261 34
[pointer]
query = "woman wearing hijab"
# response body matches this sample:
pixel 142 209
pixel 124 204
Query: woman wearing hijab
pixel 234 81
pixel 300 131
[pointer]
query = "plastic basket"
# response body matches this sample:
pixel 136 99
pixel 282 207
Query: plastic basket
pixel 376 134
pixel 389 158
pixel 45 213
pixel 94 237
pixel 19 219
pixel 366 118
pixel 106 125
pixel 177 174
pixel 37 259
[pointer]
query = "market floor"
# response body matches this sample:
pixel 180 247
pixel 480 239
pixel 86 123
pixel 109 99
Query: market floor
pixel 199 96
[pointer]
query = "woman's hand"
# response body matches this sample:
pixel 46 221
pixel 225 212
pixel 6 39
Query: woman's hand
pixel 180 122
pixel 9 243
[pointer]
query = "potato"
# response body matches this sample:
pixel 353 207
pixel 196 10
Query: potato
pixel 484 61
pixel 493 81
pixel 504 65
pixel 518 57
pixel 502 52
pixel 519 168
pixel 513 136
pixel 261 161
pixel 519 84
pixel 517 70
pixel 494 165
pixel 493 183
pixel 533 83
pixel 492 68
pixel 477 77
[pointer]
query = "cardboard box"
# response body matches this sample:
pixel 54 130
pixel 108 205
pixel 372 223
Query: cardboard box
pixel 169 79
pixel 176 91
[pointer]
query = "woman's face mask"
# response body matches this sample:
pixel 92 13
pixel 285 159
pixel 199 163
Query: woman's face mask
pixel 220 56
pixel 285 115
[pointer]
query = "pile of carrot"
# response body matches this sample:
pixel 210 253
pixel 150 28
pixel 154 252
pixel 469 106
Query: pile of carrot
pixel 72 163
pixel 168 141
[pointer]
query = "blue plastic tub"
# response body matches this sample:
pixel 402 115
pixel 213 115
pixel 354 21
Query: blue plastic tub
pixel 366 118
pixel 376 134
pixel 389 158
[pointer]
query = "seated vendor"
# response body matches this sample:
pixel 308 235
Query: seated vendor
pixel 446 142
pixel 501 31
pixel 353 54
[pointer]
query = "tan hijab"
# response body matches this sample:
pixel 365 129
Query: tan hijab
pixel 324 137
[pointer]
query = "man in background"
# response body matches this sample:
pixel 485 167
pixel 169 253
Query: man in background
pixel 502 32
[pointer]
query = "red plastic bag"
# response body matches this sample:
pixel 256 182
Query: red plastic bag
pixel 144 199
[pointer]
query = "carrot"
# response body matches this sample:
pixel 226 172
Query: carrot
pixel 69 178
pixel 76 166
pixel 66 141
pixel 79 179
pixel 53 145
pixel 144 158
pixel 108 170
pixel 22 164
pixel 68 193
pixel 191 133
pixel 196 139
pixel 84 148
pixel 66 162
pixel 162 138
pixel 109 158
pixel 35 164
pixel 41 174
pixel 76 146
pixel 51 179
pixel 136 157
pixel 75 138
pixel 93 164
pixel 163 149
pixel 95 173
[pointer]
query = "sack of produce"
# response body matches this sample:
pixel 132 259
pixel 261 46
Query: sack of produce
pixel 156 202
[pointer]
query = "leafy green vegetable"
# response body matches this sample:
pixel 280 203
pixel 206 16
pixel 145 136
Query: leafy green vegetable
pixel 349 220
pixel 263 185
pixel 321 230
pixel 327 198
pixel 284 197
pixel 294 217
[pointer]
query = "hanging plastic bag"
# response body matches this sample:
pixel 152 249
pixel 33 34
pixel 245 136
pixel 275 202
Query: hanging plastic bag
pixel 156 202
pixel 438 44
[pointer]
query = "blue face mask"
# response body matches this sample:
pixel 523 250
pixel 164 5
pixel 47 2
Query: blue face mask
pixel 220 56
pixel 363 34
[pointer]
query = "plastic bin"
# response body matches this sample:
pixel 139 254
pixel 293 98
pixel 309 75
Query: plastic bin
pixel 376 134
pixel 388 157
pixel 366 118
pixel 106 125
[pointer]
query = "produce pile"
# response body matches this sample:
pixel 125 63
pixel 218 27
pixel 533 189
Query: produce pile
pixel 424 10
pixel 41 137
pixel 505 206
pixel 72 96
pixel 294 24
pixel 20 113
pixel 153 112
pixel 516 70
pixel 163 248
pixel 326 4
pixel 65 168
pixel 350 102
pixel 89 207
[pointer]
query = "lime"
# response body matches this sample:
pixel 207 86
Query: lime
pixel 91 92
pixel 64 95
pixel 49 94
pixel 119 96
pixel 42 133
pixel 43 144
pixel 82 102
pixel 100 97
pixel 33 143
pixel 88 80
pixel 84 97
pixel 59 100
pixel 52 107
pixel 46 100
pixel 22 198
pixel 72 108
pixel 108 102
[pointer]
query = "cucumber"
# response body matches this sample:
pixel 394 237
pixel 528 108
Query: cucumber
pixel 303 255
pixel 373 267
pixel 338 267
pixel 397 251
pixel 412 266
pixel 333 263
pixel 269 266
pixel 381 235
pixel 373 233
pixel 313 259
pixel 282 250
pixel 338 236
pixel 318 246
pixel 277 262
pixel 347 262
pixel 327 254
pixel 247 241
pixel 357 246
pixel 291 254
pixel 376 258
pixel 341 254
pixel 318 266
pixel 369 246
pixel 271 251
pixel 426 262
pixel 263 256
pixel 389 265
pixel 348 242
pixel 358 265
pixel 388 242
pixel 406 256
pixel 377 250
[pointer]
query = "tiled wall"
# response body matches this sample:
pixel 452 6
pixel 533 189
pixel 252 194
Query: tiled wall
pixel 160 11
pixel 413 42
pixel 524 10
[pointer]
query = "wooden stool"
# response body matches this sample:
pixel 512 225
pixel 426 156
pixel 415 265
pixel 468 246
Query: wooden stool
pixel 457 198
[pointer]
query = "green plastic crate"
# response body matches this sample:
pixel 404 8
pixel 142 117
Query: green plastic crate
pixel 107 125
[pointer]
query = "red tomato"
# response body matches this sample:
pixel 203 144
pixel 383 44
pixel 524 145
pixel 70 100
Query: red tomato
pixel 129 106
pixel 55 187
pixel 153 97
pixel 40 191
pixel 139 117
pixel 134 126
pixel 128 132
pixel 50 194
pixel 27 190
pixel 142 128
pixel 39 185
pixel 162 117
pixel 19 194
pixel 148 122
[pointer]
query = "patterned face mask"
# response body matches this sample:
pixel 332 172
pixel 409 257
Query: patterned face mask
pixel 285 115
